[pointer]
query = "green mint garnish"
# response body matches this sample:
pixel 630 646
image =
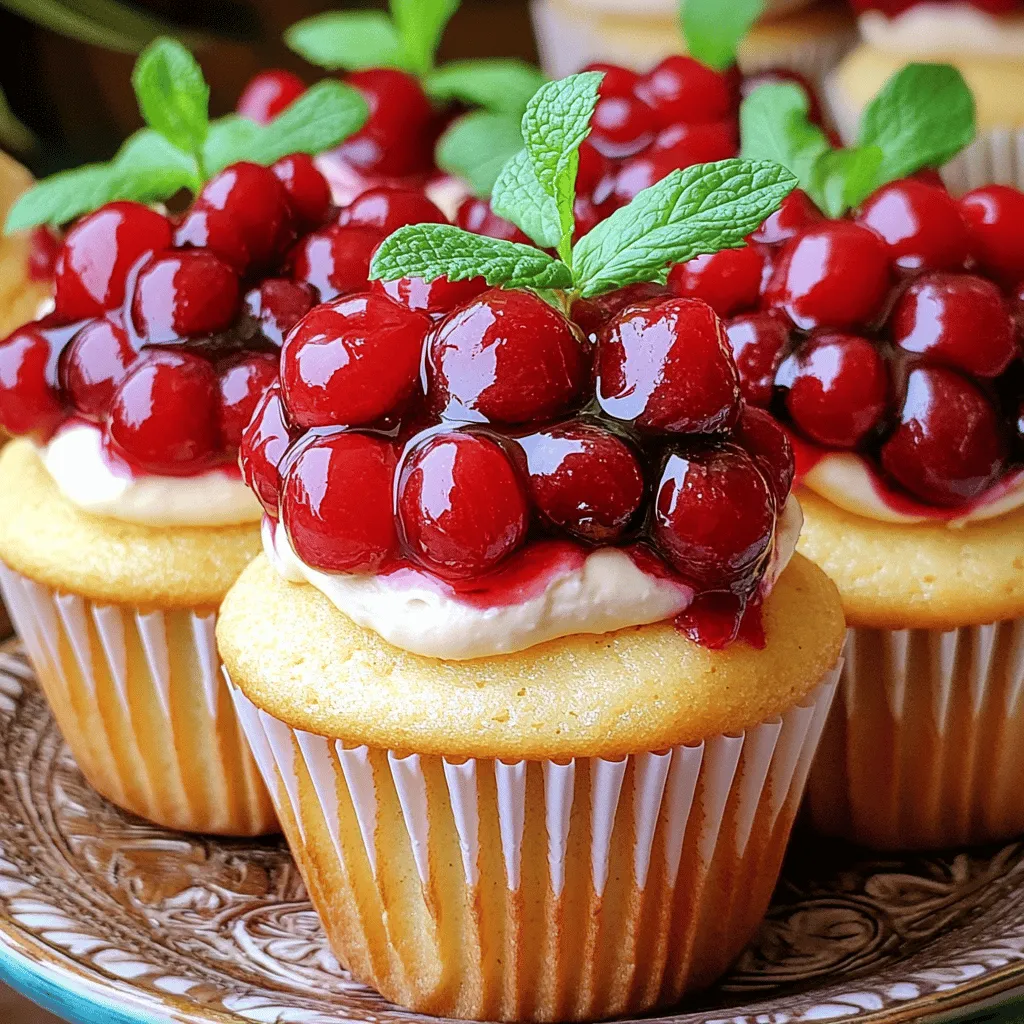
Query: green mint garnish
pixel 922 117
pixel 499 86
pixel 714 29
pixel 476 147
pixel 700 210
pixel 182 148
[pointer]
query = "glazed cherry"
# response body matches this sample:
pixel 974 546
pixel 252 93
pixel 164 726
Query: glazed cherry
pixel 243 381
pixel 183 295
pixel 714 515
pixel 309 195
pixel 264 443
pixel 335 260
pixel 278 305
pixel 396 140
pixel 759 434
pixel 351 361
pixel 163 416
pixel 681 89
pixel 796 214
pixel 435 297
pixel 461 505
pixel 215 231
pixel 591 315
pixel 476 215
pixel 837 388
pixel 506 357
pixel 994 215
pixel 667 367
pixel 336 504
pixel 97 254
pixel 727 281
pixel 622 125
pixel 617 81
pixel 30 402
pixel 43 250
pixel 834 275
pixel 93 364
pixel 758 342
pixel 921 225
pixel 584 480
pixel 387 209
pixel 949 446
pixel 594 166
pixel 268 93
pixel 957 319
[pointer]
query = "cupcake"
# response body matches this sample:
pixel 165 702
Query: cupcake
pixel 123 516
pixel 983 40
pixel 529 665
pixel 888 340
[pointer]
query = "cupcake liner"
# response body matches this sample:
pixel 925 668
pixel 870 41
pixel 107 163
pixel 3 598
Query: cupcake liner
pixel 923 746
pixel 550 890
pixel 139 699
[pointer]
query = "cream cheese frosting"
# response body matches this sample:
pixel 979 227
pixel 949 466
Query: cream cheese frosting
pixel 954 30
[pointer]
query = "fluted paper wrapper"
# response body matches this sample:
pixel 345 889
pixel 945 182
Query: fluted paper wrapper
pixel 539 891
pixel 141 702
pixel 925 744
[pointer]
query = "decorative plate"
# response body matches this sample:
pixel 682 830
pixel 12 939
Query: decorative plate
pixel 107 920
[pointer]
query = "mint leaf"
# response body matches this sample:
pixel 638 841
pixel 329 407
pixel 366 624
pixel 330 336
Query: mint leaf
pixel 843 178
pixel 713 29
pixel 477 146
pixel 173 95
pixel 698 210
pixel 229 137
pixel 500 86
pixel 519 197
pixel 60 198
pixel 431 251
pixel 420 24
pixel 148 169
pixel 923 116
pixel 348 40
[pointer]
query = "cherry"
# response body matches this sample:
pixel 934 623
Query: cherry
pixel 667 367
pixel 758 341
pixel 396 139
pixel 183 295
pixel 435 297
pixel 617 81
pixel 681 89
pixel 920 224
pixel 796 214
pixel 163 416
pixel 309 195
pixel 243 382
pixel 43 250
pixel 93 364
pixel 387 209
pixel 476 215
pixel 621 126
pixel 833 275
pixel 98 252
pixel 351 361
pixel 949 446
pixel 689 144
pixel 714 515
pixel 336 504
pixel 837 388
pixel 278 305
pixel 335 260
pixel 584 480
pixel 264 443
pixel 594 166
pixel 268 93
pixel 30 402
pixel 958 319
pixel 505 357
pixel 461 504
pixel 640 172
pixel 216 231
pixel 592 314
pixel 727 281
pixel 994 215
pixel 760 435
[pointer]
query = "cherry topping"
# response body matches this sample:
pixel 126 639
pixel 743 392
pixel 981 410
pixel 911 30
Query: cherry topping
pixel 29 400
pixel 461 504
pixel 264 443
pixel 387 209
pixel 43 250
pixel 681 89
pixel 335 260
pixel 758 342
pixel 667 367
pixel 268 93
pixel 994 215
pixel 796 214
pixel 278 305
pixel 97 254
pixel 243 382
pixel 622 125
pixel 436 297
pixel 93 364
pixel 761 436
pixel 336 504
pixel 309 195
pixel 215 230
pixel 591 315
pixel 727 281
pixel 617 81
pixel 476 215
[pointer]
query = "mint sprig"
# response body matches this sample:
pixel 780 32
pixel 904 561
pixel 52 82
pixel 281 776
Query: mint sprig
pixel 922 117
pixel 714 29
pixel 700 210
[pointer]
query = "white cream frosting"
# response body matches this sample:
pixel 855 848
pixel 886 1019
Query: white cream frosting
pixel 935 30
pixel 89 478
pixel 411 610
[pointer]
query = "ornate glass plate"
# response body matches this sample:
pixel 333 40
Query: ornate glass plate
pixel 104 918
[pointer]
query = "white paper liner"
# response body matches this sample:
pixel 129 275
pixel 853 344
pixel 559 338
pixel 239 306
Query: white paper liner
pixel 618 827
pixel 140 700
pixel 923 749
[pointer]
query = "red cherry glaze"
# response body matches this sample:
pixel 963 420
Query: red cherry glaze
pixel 309 195
pixel 93 263
pixel 837 388
pixel 264 443
pixel 477 216
pixel 994 216
pixel 506 357
pixel 594 166
pixel 278 305
pixel 584 480
pixel 336 504
pixel 758 342
pixel 215 231
pixel 387 209
pixel 268 93
pixel 795 216
pixel 622 125
pixel 436 297
pixel 834 275
pixel 760 435
pixel 681 89
pixel 243 381
pixel 727 281
pixel 93 364
pixel 351 361
pixel 183 295
pixel 335 260
pixel 949 446
pixel 43 249
pixel 714 515
pixel 164 414
pixel 617 81
pixel 461 505
pixel 591 315
pixel 30 402
pixel 667 367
